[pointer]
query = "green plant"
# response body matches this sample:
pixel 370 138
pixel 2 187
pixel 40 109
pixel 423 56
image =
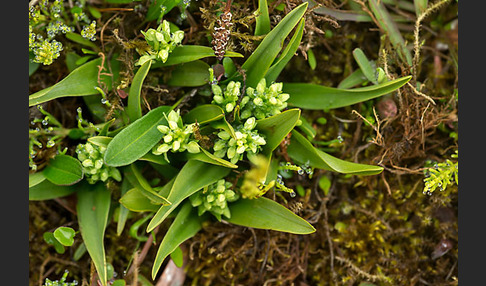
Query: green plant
pixel 441 175
pixel 217 157
pixel 61 282
pixel 62 236
pixel 48 20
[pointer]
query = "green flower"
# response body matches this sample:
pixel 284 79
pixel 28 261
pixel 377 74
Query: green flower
pixel 176 136
pixel 246 140
pixel 263 102
pixel 161 41
pixel 214 198
pixel 228 99
pixel 91 157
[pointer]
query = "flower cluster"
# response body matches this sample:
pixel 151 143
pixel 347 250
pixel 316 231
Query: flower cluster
pixel 91 157
pixel 161 41
pixel 46 51
pixel 245 140
pixel 56 27
pixel 89 31
pixel 263 101
pixel 46 21
pixel 177 136
pixel 214 198
pixel 228 99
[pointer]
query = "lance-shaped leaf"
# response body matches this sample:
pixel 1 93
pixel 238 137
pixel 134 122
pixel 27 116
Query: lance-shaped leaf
pixel 257 65
pixel 93 208
pixel 155 10
pixel 355 78
pixel 136 201
pixel 157 159
pixel 190 53
pixel 134 108
pixel 365 65
pixel 36 178
pixel 265 213
pixel 64 170
pixel 100 141
pixel 301 150
pixel 318 97
pixel 194 176
pixel 191 74
pixel 203 114
pixel 42 189
pixel 135 177
pixel 276 127
pixel 390 28
pixel 287 53
pixel 262 25
pixel 136 139
pixel 185 225
pixel 77 38
pixel 206 156
pixel 122 210
pixel 80 82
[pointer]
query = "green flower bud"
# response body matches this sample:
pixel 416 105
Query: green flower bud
pixel 229 107
pixel 167 138
pixel 163 148
pixel 261 86
pixel 218 99
pixel 87 163
pixel 250 123
pixel 231 152
pixel 163 55
pixel 176 145
pixel 177 37
pixel 193 147
pixel 224 135
pixel 163 129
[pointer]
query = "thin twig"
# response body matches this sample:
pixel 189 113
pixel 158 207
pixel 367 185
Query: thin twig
pixel 420 93
pixel 422 124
